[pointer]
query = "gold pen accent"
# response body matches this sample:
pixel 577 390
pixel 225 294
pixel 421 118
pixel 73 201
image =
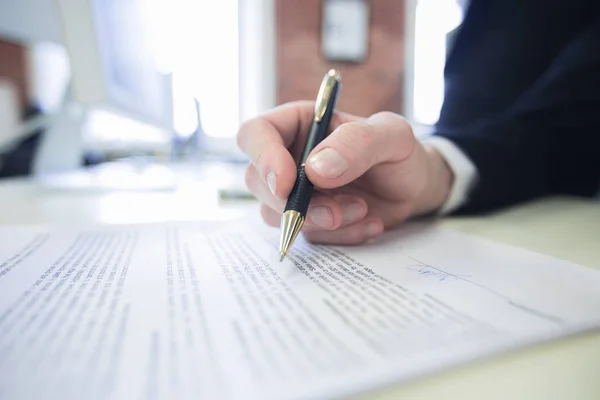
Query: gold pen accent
pixel 325 91
pixel 291 223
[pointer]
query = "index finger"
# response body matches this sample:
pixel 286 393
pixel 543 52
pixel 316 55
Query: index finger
pixel 266 139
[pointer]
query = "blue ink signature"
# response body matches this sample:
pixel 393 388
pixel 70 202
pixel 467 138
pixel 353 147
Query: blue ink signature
pixel 428 270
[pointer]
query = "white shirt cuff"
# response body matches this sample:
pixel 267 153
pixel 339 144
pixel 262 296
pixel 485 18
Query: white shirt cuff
pixel 465 172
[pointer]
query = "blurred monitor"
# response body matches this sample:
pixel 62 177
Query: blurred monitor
pixel 119 103
pixel 111 58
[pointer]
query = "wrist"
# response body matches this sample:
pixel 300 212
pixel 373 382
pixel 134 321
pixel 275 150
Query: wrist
pixel 439 179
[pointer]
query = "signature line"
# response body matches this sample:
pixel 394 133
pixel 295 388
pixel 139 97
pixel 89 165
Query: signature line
pixel 510 301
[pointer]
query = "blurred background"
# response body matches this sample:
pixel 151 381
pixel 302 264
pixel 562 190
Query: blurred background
pixel 140 86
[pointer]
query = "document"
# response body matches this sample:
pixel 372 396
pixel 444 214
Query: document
pixel 203 310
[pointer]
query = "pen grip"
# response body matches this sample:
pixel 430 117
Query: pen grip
pixel 301 193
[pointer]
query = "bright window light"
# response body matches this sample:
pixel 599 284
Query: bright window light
pixel 185 116
pixel 197 40
pixel 433 20
pixel 161 31
pixel 216 54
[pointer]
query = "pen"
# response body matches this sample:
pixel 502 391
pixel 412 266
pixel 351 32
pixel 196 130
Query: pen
pixel 296 207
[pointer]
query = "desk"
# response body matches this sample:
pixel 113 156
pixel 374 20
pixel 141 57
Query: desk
pixel 560 227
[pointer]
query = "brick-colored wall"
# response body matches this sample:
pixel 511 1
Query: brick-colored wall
pixel 372 86
pixel 13 66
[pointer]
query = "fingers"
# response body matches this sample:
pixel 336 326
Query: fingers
pixel 272 162
pixel 266 141
pixel 354 147
pixel 261 190
pixel 347 234
pixel 324 213
pixel 281 123
pixel 360 232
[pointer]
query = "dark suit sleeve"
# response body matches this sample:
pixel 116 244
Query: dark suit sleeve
pixel 546 141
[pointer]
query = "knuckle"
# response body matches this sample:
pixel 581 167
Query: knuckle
pixel 357 135
pixel 357 140
pixel 396 132
pixel 264 150
pixel 361 133
pixel 302 103
pixel 396 121
pixel 387 115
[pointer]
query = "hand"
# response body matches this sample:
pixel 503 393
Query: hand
pixel 369 174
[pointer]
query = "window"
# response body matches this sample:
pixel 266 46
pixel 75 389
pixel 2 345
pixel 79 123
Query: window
pixel 197 40
pixel 430 21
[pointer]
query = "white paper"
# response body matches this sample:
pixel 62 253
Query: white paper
pixel 199 310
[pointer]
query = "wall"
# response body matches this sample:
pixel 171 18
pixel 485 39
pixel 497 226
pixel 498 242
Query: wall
pixel 13 67
pixel 29 49
pixel 375 85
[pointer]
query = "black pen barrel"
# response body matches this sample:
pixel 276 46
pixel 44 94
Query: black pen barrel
pixel 318 132
pixel 301 193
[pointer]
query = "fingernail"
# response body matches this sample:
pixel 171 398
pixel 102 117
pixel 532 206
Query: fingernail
pixel 321 216
pixel 372 229
pixel 272 181
pixel 351 212
pixel 329 163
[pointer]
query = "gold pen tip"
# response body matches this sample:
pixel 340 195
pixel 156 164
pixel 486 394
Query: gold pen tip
pixel 281 257
pixel 335 74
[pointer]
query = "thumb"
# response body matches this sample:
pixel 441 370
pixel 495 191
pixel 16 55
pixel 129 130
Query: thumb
pixel 354 147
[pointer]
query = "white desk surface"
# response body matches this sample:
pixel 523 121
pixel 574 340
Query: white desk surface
pixel 561 227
